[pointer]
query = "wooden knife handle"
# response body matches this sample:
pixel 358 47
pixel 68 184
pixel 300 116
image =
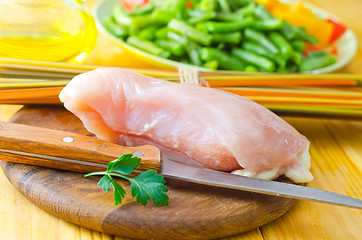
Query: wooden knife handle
pixel 60 144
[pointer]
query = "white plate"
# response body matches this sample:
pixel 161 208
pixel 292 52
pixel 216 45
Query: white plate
pixel 346 44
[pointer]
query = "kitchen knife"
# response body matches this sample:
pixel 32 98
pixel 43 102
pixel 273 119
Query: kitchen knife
pixel 75 152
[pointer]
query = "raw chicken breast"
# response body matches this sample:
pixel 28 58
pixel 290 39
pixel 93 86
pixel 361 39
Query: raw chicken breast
pixel 220 130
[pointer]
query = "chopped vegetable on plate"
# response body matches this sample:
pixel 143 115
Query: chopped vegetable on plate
pixel 241 35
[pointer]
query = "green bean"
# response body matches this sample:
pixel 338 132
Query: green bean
pixel 174 47
pixel 251 68
pixel 195 12
pixel 233 37
pixel 207 5
pixel 156 18
pixel 147 46
pixel 160 16
pixel 317 54
pixel 148 33
pixel 139 22
pixel 183 28
pixel 262 51
pixel 261 39
pixel 292 32
pixel 176 37
pixel 201 26
pixel 121 17
pixel 280 60
pixel 308 38
pixel 297 58
pixel 233 7
pixel 258 49
pixel 116 29
pixel 212 26
pixel 298 45
pixel 284 47
pixel 289 31
pixel 176 8
pixel 238 15
pixel 247 10
pixel 221 16
pixel 161 33
pixel 254 59
pixel 262 13
pixel 305 36
pixel 204 16
pixel 143 9
pixel 225 61
pixel 241 3
pixel 224 5
pixel 313 63
pixel 213 64
pixel 192 50
pixel 268 24
pixel 220 46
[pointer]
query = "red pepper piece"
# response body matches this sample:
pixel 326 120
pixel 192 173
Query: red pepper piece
pixel 338 30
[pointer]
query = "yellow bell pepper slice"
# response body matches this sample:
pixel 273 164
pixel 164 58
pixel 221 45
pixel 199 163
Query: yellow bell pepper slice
pixel 298 15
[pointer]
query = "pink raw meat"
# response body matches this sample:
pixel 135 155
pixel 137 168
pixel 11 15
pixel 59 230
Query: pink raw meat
pixel 220 130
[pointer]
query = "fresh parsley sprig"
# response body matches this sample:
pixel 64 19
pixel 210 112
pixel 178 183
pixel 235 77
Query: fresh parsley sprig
pixel 144 186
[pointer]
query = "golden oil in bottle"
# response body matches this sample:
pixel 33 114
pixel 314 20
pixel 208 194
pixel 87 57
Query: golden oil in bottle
pixel 46 30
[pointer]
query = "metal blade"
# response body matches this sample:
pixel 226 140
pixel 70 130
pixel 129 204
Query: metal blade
pixel 210 177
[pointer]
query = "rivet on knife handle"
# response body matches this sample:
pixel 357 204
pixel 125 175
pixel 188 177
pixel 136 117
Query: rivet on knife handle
pixel 26 144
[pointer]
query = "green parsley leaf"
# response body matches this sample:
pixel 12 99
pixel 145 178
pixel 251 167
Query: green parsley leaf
pixel 118 192
pixel 147 185
pixel 124 165
pixel 105 183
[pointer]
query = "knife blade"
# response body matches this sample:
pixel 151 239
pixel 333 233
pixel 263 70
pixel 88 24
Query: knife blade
pixel 75 152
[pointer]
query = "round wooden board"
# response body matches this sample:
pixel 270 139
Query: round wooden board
pixel 194 211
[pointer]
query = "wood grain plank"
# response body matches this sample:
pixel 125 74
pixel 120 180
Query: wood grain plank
pixel 6 111
pixel 333 171
pixel 343 132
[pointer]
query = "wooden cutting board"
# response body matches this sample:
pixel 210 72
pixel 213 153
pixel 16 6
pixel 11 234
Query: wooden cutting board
pixel 194 212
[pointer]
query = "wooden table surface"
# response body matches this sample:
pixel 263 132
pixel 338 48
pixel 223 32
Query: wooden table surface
pixel 336 155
